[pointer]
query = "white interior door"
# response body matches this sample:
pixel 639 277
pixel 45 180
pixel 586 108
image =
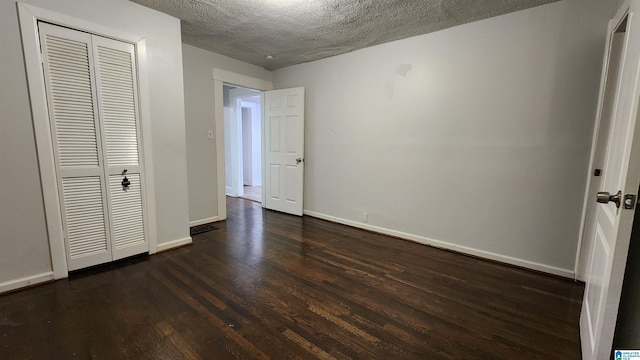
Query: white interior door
pixel 284 150
pixel 610 81
pixel 621 172
pixel 118 97
pixel 72 100
pixel 91 93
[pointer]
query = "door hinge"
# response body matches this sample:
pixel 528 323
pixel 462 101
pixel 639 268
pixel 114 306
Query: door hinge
pixel 629 202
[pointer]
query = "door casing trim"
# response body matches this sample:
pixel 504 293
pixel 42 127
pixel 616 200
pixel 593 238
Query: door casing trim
pixel 221 77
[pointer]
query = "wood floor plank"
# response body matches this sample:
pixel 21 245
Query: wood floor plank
pixel 305 344
pixel 266 285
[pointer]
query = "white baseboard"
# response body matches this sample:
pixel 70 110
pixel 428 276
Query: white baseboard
pixel 174 244
pixel 204 221
pixel 26 281
pixel 448 246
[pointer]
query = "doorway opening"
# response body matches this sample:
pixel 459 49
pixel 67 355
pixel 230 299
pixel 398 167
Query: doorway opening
pixel 243 142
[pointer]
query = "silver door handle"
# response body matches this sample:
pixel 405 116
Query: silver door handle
pixel 604 197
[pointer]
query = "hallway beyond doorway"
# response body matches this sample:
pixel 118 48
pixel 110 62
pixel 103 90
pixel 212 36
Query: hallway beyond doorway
pixel 253 193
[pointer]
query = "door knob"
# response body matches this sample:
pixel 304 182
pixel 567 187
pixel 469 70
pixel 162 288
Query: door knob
pixel 604 197
pixel 299 160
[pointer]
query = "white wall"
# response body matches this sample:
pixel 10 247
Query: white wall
pixel 247 153
pixel 199 108
pixel 256 141
pixel 477 136
pixel 24 243
pixel 251 141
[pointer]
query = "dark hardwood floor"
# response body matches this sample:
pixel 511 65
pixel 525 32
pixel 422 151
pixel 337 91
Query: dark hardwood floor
pixel 267 285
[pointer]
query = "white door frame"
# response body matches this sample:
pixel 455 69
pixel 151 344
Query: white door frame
pixel 29 16
pixel 221 77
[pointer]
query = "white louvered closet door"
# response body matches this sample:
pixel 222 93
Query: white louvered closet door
pixel 77 145
pixel 91 94
pixel 117 94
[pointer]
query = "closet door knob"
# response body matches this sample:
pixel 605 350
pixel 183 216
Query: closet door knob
pixel 604 197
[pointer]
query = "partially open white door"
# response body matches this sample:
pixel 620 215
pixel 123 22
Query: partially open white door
pixel 620 177
pixel 284 150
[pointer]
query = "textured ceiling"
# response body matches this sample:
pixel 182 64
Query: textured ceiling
pixel 298 31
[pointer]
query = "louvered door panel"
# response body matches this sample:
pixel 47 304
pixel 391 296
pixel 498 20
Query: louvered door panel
pixel 68 71
pixel 85 215
pixel 72 101
pixel 117 95
pixel 127 213
pixel 117 92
